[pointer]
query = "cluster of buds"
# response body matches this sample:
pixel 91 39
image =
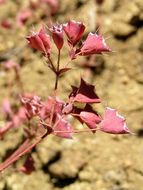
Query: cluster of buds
pixel 54 115
pixel 94 44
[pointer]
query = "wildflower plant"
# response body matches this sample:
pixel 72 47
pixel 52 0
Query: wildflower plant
pixel 54 114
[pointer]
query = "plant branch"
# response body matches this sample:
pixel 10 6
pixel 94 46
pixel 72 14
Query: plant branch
pixel 51 66
pixel 57 70
pixel 77 131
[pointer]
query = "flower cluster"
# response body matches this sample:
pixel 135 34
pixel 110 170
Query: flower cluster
pixel 53 114
pixel 94 44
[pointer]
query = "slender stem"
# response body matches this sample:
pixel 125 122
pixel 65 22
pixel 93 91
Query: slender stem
pixel 77 131
pixel 71 131
pixel 57 71
pixel 51 66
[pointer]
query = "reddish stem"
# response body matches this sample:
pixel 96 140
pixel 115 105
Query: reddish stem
pixel 77 131
pixel 57 70
pixel 51 66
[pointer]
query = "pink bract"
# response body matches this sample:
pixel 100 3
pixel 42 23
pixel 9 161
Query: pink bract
pixel 74 31
pixel 94 44
pixel 6 23
pixel 32 105
pixel 40 41
pixel 57 35
pixel 10 65
pixel 23 16
pixel 87 115
pixel 63 128
pixel 113 123
pixel 15 121
pixel 6 107
pixel 90 119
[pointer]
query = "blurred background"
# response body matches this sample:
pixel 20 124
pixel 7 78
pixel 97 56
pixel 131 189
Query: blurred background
pixel 88 162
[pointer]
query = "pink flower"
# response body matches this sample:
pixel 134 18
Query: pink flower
pixel 11 65
pixel 32 105
pixel 16 120
pixel 90 119
pixel 74 31
pixel 6 108
pixel 87 115
pixel 50 109
pixel 57 35
pixel 63 128
pixel 94 44
pixel 6 24
pixel 113 123
pixel 23 16
pixel 40 41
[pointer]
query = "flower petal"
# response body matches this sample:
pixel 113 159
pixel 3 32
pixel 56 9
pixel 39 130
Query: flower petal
pixel 90 119
pixel 113 123
pixel 94 44
pixel 63 128
pixel 74 31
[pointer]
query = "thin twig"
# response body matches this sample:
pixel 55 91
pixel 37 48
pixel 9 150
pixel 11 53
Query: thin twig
pixel 57 71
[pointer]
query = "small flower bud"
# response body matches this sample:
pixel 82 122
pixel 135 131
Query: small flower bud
pixel 74 31
pixel 94 44
pixel 40 41
pixel 57 35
